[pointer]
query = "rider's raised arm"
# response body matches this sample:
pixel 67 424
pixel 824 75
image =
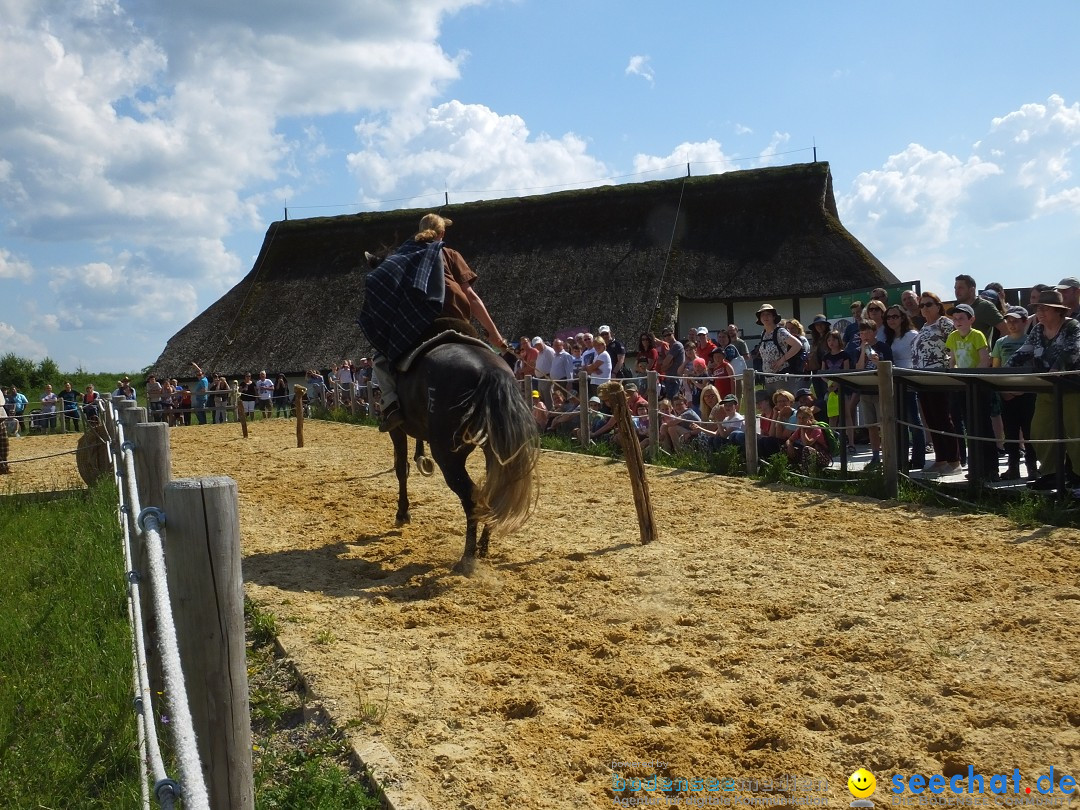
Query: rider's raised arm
pixel 479 311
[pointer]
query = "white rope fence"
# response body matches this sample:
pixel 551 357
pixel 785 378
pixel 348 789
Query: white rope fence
pixel 191 787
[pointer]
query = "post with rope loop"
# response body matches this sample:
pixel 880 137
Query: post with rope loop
pixel 202 545
pixel 887 410
pixel 153 470
pixel 751 424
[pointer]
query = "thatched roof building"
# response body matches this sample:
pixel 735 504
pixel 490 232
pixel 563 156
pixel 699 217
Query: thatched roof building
pixel 624 255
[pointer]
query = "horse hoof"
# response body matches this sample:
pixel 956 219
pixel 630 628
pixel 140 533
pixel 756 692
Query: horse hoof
pixel 466 566
pixel 401 520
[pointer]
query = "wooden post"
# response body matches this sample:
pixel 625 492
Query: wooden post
pixel 202 548
pixel 750 413
pixel 153 470
pixel 887 425
pixel 241 414
pixel 615 396
pixel 583 414
pixel 298 400
pixel 654 414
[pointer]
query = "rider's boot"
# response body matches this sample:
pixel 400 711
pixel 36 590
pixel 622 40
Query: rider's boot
pixel 391 417
pixel 384 377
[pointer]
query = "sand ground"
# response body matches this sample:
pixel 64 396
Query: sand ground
pixel 770 632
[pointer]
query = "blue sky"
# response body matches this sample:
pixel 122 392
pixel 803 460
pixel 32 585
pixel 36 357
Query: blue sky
pixel 146 146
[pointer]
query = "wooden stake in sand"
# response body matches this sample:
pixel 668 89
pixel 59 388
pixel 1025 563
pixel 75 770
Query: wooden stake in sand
pixel 298 409
pixel 241 414
pixel 615 396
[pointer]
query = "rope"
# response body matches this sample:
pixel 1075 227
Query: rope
pixel 671 243
pixel 969 437
pixel 195 794
pixel 140 683
pixel 53 455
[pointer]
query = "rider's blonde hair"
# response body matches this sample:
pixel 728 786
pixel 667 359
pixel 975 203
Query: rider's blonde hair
pixel 432 227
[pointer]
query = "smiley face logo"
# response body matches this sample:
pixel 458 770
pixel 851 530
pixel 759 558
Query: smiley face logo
pixel 862 784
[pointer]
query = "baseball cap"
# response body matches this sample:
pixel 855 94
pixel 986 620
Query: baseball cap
pixel 595 400
pixel 603 329
pixel 536 394
pixel 730 398
pixel 1068 283
pixel 536 341
pixel 1016 312
pixel 966 308
pixel 702 330
pixel 803 392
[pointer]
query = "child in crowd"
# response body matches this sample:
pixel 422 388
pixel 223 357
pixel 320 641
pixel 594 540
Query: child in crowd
pixel 807 445
pixel 871 352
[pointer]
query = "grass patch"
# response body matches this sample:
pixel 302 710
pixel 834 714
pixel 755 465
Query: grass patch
pixel 67 725
pixel 300 759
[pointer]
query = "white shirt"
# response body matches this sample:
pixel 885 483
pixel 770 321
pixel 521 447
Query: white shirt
pixel 544 360
pixel 266 388
pixel 602 374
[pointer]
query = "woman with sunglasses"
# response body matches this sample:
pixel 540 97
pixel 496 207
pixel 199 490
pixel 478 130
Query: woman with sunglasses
pixel 900 335
pixel 928 352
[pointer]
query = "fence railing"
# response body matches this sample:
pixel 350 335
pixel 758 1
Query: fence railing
pixel 188 628
pixel 890 384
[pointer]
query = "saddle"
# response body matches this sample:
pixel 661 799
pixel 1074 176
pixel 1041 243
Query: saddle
pixel 445 335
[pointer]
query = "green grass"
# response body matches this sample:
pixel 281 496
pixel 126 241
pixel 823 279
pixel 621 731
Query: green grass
pixel 300 760
pixel 67 728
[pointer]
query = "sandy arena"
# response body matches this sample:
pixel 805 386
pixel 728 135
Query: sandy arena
pixel 770 632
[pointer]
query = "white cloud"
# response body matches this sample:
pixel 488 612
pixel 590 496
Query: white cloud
pixel 22 345
pixel 12 266
pixel 743 130
pixel 639 66
pixel 769 156
pixel 921 200
pixel 126 294
pixel 469 150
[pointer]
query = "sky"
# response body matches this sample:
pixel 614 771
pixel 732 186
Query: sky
pixel 146 146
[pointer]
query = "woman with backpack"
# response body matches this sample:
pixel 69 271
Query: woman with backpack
pixel 778 348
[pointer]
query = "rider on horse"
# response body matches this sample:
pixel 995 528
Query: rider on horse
pixel 407 301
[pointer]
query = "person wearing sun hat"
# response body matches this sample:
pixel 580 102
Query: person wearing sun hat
pixel 777 347
pixel 1017 408
pixel 1053 345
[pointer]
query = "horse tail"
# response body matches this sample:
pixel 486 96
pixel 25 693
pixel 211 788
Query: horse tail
pixel 499 420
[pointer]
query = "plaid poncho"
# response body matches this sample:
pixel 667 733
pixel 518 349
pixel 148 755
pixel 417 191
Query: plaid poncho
pixel 403 296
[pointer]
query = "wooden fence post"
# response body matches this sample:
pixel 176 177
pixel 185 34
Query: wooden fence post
pixel 153 470
pixel 202 548
pixel 615 396
pixel 298 408
pixel 887 410
pixel 750 413
pixel 654 414
pixel 583 414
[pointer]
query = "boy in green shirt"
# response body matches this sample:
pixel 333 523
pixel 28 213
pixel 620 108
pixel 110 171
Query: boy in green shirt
pixel 968 349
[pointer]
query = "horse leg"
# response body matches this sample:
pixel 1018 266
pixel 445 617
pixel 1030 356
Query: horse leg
pixel 482 543
pixel 401 469
pixel 423 463
pixel 457 478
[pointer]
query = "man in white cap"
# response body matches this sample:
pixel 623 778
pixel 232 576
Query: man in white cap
pixel 1070 294
pixel 704 345
pixel 545 355
pixel 386 305
pixel 616 351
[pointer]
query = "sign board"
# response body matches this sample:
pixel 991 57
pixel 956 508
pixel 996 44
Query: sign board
pixel 838 305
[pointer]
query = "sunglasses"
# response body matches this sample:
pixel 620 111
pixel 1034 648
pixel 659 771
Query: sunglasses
pixel 928 304
pixel 893 317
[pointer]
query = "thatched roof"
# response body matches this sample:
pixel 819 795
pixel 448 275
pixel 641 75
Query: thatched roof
pixel 595 256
